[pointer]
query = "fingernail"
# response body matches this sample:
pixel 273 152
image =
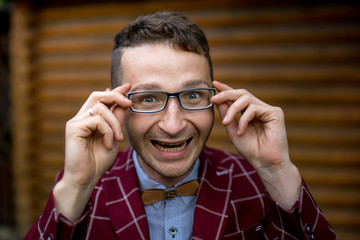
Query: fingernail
pixel 121 136
pixel 238 132
pixel 225 118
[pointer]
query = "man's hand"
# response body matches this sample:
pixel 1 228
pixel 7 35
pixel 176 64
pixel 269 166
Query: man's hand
pixel 92 140
pixel 260 137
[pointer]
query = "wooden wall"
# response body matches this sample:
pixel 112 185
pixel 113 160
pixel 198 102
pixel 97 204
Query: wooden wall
pixel 303 58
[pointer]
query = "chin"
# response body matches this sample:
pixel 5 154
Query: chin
pixel 172 170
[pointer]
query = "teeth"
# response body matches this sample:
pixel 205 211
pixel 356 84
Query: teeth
pixel 164 147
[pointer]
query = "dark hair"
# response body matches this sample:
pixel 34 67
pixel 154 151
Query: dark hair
pixel 162 27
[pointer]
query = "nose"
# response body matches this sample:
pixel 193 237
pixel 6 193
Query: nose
pixel 173 121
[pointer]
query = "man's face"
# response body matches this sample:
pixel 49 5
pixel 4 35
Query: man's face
pixel 167 142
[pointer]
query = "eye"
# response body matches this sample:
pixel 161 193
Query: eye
pixel 145 98
pixel 149 99
pixel 193 95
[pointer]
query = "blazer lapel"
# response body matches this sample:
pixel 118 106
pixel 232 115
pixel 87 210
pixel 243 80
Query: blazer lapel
pixel 123 201
pixel 212 204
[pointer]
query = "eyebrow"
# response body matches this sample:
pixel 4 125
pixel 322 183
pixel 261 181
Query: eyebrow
pixel 156 86
pixel 146 86
pixel 195 83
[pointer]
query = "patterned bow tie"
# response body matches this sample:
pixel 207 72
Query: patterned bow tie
pixel 150 196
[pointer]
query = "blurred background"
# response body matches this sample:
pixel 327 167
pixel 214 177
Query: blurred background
pixel 303 56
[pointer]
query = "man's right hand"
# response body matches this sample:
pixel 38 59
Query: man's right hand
pixel 92 140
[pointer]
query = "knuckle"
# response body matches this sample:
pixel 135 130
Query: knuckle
pixel 68 125
pixel 221 95
pixel 242 91
pixel 246 97
pixel 94 94
pixel 252 107
pixel 70 122
pixel 98 119
pixel 99 108
pixel 278 110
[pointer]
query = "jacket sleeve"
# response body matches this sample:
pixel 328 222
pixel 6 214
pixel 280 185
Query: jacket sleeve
pixel 304 220
pixel 52 225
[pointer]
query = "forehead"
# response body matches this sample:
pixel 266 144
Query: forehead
pixel 161 67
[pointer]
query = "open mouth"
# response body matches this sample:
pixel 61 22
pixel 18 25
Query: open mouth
pixel 171 147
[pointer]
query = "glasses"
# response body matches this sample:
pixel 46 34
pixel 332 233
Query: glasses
pixel 156 101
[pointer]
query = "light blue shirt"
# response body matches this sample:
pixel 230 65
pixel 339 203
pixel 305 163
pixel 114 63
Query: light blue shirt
pixel 169 219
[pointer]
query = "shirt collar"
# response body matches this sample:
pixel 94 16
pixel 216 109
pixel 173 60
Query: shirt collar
pixel 147 183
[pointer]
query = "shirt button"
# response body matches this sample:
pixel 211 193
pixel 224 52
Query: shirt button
pixel 308 229
pixel 49 237
pixel 173 231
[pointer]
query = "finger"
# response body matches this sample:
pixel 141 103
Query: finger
pixel 240 99
pixel 109 116
pixel 106 131
pixel 93 126
pixel 120 116
pixel 103 111
pixel 232 95
pixel 109 98
pixel 123 91
pixel 220 86
pixel 222 108
pixel 237 107
pixel 123 88
pixel 226 93
pixel 217 98
pixel 245 119
pixel 256 114
pixel 230 126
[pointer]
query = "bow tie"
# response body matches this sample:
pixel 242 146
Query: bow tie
pixel 150 196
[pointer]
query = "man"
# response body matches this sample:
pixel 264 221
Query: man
pixel 163 96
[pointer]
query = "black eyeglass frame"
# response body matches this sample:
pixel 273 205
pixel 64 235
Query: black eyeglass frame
pixel 169 95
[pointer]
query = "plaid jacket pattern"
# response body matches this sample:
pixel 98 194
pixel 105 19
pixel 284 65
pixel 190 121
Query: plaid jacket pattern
pixel 231 204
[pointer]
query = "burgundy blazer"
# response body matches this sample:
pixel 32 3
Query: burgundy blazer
pixel 231 204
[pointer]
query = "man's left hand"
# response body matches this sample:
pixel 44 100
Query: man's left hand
pixel 260 136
